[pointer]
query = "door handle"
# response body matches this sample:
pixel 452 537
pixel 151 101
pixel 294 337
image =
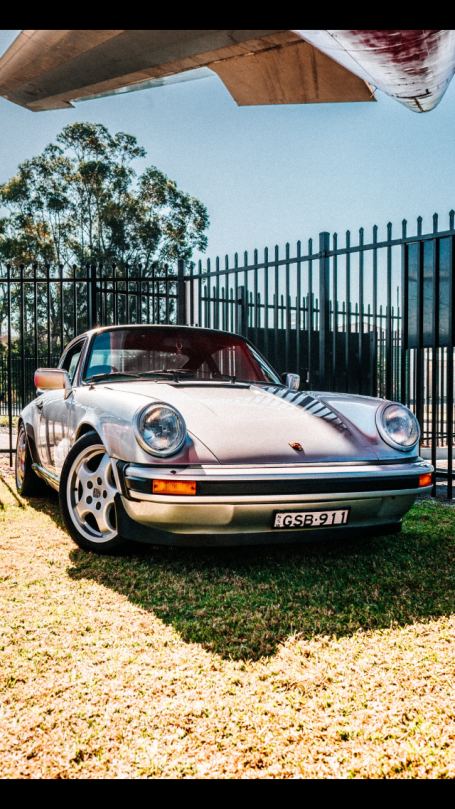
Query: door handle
pixel 40 405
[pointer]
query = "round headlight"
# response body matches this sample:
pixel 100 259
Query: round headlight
pixel 398 426
pixel 160 429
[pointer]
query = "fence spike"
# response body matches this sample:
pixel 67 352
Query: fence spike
pixel 404 227
pixel 435 223
pixel 451 218
pixel 419 225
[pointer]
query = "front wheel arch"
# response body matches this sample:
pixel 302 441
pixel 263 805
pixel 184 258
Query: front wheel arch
pixel 85 429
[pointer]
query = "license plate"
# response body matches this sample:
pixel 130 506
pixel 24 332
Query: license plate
pixel 310 519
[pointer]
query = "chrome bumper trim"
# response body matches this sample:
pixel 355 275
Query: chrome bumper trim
pixel 274 484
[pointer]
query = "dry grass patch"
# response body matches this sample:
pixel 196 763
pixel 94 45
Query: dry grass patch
pixel 329 660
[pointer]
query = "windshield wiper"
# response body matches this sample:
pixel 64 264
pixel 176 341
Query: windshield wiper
pixel 169 372
pixel 179 371
pixel 176 372
pixel 108 375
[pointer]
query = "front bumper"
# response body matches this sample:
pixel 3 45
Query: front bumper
pixel 237 504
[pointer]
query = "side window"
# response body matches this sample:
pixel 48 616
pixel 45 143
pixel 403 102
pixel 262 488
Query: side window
pixel 71 360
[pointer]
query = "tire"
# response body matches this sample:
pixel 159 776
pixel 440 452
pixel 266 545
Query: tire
pixel 87 492
pixel 28 484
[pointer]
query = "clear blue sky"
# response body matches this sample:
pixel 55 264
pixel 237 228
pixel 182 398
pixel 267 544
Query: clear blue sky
pixel 270 174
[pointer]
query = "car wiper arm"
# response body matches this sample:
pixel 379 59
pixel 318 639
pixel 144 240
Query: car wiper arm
pixel 187 371
pixel 109 374
pixel 169 372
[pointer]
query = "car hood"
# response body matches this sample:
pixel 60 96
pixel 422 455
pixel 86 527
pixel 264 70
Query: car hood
pixel 253 424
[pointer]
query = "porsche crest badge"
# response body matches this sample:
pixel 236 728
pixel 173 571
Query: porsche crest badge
pixel 296 445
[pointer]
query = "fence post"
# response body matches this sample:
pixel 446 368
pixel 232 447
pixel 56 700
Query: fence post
pixel 181 303
pixel 242 307
pixel 324 309
pixel 92 313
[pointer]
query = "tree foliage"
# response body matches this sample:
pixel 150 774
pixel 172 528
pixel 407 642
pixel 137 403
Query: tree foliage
pixel 82 201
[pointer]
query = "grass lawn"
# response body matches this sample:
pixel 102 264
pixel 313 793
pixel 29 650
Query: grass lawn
pixel 323 660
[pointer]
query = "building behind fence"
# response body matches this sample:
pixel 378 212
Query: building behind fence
pixel 372 316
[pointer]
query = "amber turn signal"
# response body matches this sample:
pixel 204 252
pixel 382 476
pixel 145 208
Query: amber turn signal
pixel 426 480
pixel 174 487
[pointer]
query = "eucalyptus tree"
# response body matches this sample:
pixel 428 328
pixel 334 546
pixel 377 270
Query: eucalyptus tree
pixel 82 201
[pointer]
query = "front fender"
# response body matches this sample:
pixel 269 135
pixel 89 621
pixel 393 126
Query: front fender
pixel 112 419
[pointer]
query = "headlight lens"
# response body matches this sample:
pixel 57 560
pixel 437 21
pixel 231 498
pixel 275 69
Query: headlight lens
pixel 160 429
pixel 398 426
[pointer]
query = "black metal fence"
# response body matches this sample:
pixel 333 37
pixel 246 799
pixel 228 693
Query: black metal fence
pixel 371 317
pixel 333 315
pixel 374 317
pixel 43 308
pixel 21 374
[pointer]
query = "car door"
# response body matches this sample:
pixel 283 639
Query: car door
pixel 53 408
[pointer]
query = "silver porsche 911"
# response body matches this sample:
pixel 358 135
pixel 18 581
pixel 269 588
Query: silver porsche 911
pixel 169 434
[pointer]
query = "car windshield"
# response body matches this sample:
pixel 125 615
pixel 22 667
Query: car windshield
pixel 182 354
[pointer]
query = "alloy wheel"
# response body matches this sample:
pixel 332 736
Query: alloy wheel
pixel 91 491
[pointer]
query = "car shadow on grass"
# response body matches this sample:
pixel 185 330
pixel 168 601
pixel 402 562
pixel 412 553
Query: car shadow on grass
pixel 243 602
pixel 46 502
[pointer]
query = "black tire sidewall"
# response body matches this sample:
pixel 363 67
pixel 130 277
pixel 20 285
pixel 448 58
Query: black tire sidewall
pixel 114 545
pixel 32 485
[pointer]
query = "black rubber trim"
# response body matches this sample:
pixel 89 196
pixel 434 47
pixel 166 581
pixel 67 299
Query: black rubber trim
pixel 213 488
pixel 121 473
pixel 138 484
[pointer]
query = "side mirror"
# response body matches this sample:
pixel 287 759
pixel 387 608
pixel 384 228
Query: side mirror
pixel 292 381
pixel 53 379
